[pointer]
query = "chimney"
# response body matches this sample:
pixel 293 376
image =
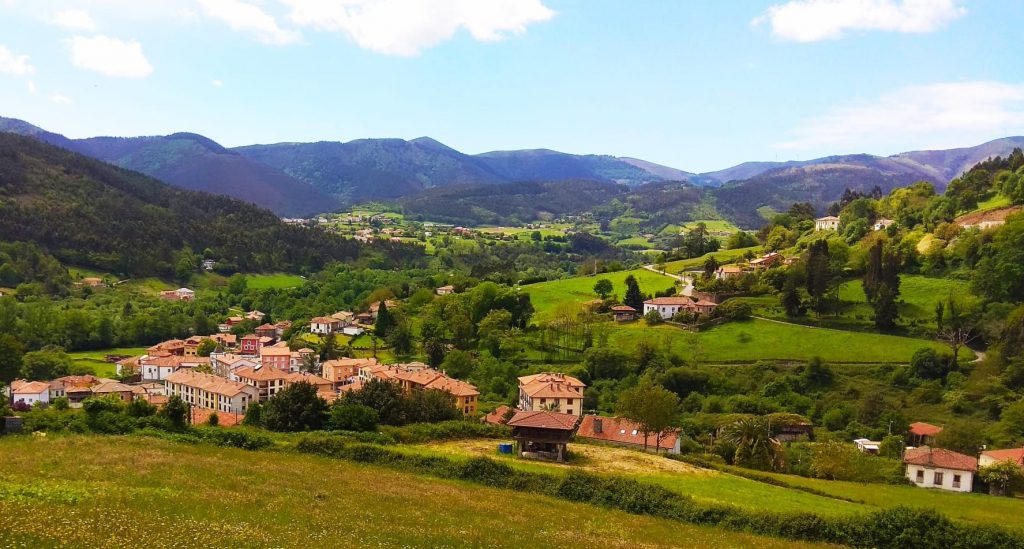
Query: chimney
pixel 598 427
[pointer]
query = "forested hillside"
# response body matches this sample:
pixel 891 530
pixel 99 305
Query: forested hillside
pixel 92 214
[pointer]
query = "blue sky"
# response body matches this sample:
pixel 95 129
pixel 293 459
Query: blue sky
pixel 691 84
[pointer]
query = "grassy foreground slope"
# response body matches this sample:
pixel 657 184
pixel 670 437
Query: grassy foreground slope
pixel 126 491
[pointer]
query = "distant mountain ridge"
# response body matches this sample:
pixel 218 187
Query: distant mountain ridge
pixel 299 179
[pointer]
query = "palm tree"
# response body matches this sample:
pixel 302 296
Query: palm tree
pixel 755 447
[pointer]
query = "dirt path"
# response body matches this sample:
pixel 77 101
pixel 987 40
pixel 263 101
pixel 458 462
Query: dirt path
pixel 686 280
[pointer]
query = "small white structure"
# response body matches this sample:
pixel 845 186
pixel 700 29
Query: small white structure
pixel 445 290
pixel 827 223
pixel 353 331
pixel 30 392
pixel 668 307
pixel 882 223
pixel 940 468
pixel 867 446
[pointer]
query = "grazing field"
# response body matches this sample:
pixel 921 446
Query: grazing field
pixel 547 295
pixel 702 484
pixel 125 491
pixel 276 281
pixel 96 359
pixel 719 226
pixel 765 340
pixel 635 242
pixel 724 256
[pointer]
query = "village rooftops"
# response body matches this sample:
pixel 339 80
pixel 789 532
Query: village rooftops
pixel 453 386
pixel 542 419
pixel 22 387
pixel 940 457
pixel 551 385
pixel 324 320
pixel 497 416
pixel 922 429
pixel 207 382
pixel 671 300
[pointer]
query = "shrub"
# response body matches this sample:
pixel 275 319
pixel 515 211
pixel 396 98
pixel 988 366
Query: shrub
pixel 352 417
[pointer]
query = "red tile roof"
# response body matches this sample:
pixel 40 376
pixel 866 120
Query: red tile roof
pixel 22 387
pixel 623 309
pixel 541 419
pixel 677 300
pixel 623 431
pixel 940 457
pixel 497 415
pixel 1016 455
pixel 920 428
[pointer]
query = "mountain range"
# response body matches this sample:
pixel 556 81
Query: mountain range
pixel 298 179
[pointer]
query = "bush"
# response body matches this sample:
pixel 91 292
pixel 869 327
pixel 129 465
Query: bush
pixel 352 417
pixel 733 310
pixel 447 430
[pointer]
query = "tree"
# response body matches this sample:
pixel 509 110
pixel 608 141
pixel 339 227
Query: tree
pixel 710 267
pixel 633 298
pixel 927 364
pixel 1003 478
pixel 603 288
pixel 400 338
pixel 352 417
pixel 653 317
pixel 886 311
pixel 819 279
pixel 458 364
pixel 790 299
pixel 873 271
pixel 963 436
pixel 206 347
pixel 958 330
pixel 45 364
pixel 11 354
pixel 491 329
pixel 382 327
pixel 253 415
pixel 606 363
pixel 237 284
pixel 653 408
pixel 755 447
pixel 385 397
pixel 295 408
pixel 213 420
pixel 177 412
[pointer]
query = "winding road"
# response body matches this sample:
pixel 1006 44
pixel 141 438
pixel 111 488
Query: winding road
pixel 686 280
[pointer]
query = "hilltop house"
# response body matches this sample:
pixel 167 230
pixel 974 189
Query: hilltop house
pixel 827 223
pixel 940 468
pixel 882 224
pixel 923 434
pixel 623 432
pixel 181 294
pixel 768 260
pixel 728 271
pixel 210 391
pixel 553 392
pixel 668 307
pixel 445 290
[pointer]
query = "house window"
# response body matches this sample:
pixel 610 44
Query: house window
pixel 920 475
pixel 569 412
pixel 542 401
pixel 937 480
pixel 568 402
pixel 956 481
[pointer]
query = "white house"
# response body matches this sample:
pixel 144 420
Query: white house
pixel 324 325
pixel 991 457
pixel 30 392
pixel 445 290
pixel 867 446
pixel 940 468
pixel 827 223
pixel 667 307
pixel 353 331
pixel 882 223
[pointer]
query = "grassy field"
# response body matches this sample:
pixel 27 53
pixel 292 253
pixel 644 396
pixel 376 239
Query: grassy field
pixel 702 484
pixel 764 340
pixel 635 242
pixel 95 359
pixel 917 300
pixel 713 225
pixel 276 281
pixel 547 295
pixel 98 491
pixel 723 256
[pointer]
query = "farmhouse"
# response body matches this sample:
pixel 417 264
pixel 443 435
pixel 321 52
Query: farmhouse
pixel 882 224
pixel 553 392
pixel 623 313
pixel 324 325
pixel 181 294
pixel 29 392
pixel 827 223
pixel 623 432
pixel 210 392
pixel 987 219
pixel 445 290
pixel 767 260
pixel 1012 455
pixel 923 434
pixel 940 468
pixel 543 434
pixel 728 271
pixel 867 446
pixel 668 307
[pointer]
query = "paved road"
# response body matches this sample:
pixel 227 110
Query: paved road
pixel 686 280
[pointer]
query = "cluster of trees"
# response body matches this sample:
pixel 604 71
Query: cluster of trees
pixel 298 407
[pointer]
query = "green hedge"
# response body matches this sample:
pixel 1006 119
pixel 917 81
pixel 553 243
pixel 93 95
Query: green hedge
pixel 893 527
pixel 445 430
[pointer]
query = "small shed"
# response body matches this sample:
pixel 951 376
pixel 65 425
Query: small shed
pixel 543 435
pixel 623 313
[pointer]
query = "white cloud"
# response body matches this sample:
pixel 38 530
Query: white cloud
pixel 30 85
pixel 110 56
pixel 217 83
pixel 814 20
pixel 932 116
pixel 406 27
pixel 74 19
pixel 61 99
pixel 12 63
pixel 241 16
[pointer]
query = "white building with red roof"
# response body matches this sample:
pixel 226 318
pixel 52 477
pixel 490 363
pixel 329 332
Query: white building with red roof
pixel 29 392
pixel 940 468
pixel 992 457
